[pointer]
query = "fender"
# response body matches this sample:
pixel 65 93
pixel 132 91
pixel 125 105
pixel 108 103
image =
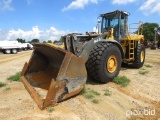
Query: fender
pixel 87 48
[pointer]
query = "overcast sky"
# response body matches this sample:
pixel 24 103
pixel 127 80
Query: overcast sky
pixel 49 19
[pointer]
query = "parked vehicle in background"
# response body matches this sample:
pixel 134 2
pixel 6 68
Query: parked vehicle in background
pixel 8 47
pixel 26 46
pixel 13 47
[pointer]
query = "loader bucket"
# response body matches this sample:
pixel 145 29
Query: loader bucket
pixel 53 74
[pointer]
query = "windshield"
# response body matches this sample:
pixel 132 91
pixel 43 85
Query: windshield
pixel 116 21
pixel 110 23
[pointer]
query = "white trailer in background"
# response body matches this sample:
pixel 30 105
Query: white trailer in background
pixel 8 47
pixel 13 47
pixel 26 46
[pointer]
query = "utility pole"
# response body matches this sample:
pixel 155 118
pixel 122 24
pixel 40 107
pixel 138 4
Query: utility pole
pixel 154 41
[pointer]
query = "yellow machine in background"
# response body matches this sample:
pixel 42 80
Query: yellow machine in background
pixel 57 45
pixel 54 74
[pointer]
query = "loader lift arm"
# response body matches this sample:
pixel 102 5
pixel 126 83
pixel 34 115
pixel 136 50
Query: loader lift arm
pixel 81 47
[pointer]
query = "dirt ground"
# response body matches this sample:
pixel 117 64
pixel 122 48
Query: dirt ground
pixel 139 100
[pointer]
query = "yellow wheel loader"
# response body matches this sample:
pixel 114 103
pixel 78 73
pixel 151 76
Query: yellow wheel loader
pixel 53 74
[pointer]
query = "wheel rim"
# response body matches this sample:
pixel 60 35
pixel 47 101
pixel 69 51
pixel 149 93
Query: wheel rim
pixel 142 55
pixel 112 63
pixel 14 51
pixel 8 51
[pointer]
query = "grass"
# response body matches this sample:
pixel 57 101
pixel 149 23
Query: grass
pixel 148 65
pixel 84 91
pixel 50 109
pixel 88 88
pixel 89 96
pixel 96 101
pixel 94 92
pixel 121 80
pixel 2 84
pixel 107 92
pixel 15 77
pixel 143 72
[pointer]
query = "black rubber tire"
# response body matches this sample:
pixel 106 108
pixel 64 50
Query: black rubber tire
pixel 159 44
pixel 137 55
pixel 3 51
pixel 96 64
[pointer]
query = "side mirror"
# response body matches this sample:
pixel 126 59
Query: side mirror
pixel 98 20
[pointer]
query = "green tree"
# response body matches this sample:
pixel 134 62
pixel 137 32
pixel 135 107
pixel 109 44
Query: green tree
pixel 44 41
pixel 55 41
pixel 35 41
pixel 61 39
pixel 21 40
pixel 49 41
pixel 148 30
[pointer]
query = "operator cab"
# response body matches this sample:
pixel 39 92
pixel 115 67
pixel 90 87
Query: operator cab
pixel 116 20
